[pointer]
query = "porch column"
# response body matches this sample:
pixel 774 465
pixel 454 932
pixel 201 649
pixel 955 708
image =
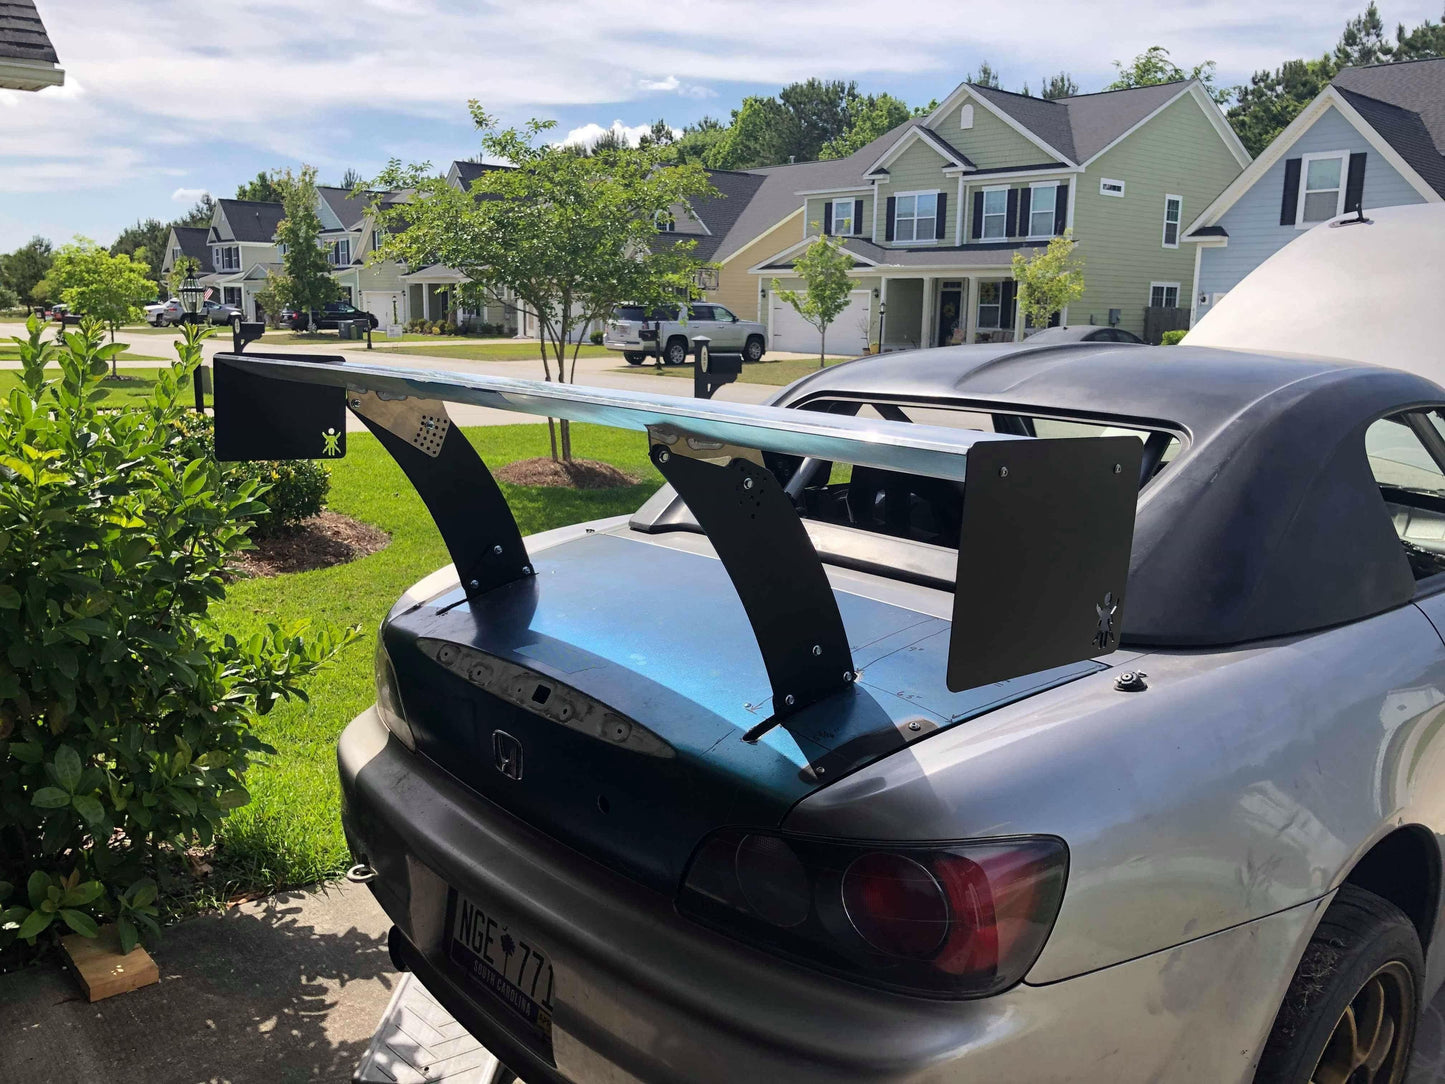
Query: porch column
pixel 882 315
pixel 970 307
pixel 927 331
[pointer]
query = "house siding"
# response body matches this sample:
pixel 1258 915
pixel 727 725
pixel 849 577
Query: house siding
pixel 1121 240
pixel 1253 221
pixel 919 169
pixel 737 289
pixel 991 143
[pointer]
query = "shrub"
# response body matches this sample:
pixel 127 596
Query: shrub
pixel 125 718
pixel 596 338
pixel 292 490
pixel 1171 338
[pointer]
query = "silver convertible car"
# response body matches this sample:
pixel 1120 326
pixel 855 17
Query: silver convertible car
pixel 987 713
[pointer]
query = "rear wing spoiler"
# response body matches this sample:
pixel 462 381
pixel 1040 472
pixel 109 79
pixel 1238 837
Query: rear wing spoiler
pixel 1043 552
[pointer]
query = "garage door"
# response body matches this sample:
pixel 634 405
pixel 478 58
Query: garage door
pixel 848 334
pixel 388 306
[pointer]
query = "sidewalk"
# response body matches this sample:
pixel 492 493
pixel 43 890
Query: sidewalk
pixel 280 991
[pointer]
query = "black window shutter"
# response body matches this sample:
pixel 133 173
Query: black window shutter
pixel 828 217
pixel 1026 200
pixel 1011 220
pixel 942 216
pixel 858 217
pixel 1289 204
pixel 1355 184
pixel 977 215
pixel 889 235
pixel 1061 210
pixel 1007 296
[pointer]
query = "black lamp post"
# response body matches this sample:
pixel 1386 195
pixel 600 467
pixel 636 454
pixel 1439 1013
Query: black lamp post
pixel 192 294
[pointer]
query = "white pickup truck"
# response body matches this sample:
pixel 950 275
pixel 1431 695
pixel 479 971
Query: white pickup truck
pixel 676 325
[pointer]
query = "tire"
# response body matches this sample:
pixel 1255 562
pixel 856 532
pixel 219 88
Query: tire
pixel 753 351
pixel 676 352
pixel 1364 961
pixel 634 358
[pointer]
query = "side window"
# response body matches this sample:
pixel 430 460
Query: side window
pixel 700 312
pixel 1413 487
pixel 720 313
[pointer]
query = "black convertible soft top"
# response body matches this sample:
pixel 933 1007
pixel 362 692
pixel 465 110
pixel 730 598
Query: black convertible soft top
pixel 1267 523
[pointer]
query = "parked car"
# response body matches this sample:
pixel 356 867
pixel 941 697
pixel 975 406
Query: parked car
pixel 675 326
pixel 164 313
pixel 1081 333
pixel 216 312
pixel 61 314
pixel 329 316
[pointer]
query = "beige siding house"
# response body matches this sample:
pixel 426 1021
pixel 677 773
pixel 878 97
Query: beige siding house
pixel 934 211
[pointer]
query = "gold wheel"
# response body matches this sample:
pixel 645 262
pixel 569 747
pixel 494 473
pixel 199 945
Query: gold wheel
pixel 1370 1041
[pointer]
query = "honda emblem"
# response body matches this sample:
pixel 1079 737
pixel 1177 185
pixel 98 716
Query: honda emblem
pixel 507 754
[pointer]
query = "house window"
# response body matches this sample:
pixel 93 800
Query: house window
pixel 176 254
pixel 965 116
pixel 1173 206
pixel 226 257
pixel 340 252
pixel 1108 187
pixel 1042 202
pixel 995 212
pixel 1322 188
pixel 990 304
pixel 914 217
pixel 843 217
pixel 231 295
pixel 1164 295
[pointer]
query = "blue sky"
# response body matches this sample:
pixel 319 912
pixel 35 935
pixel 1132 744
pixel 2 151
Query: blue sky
pixel 165 99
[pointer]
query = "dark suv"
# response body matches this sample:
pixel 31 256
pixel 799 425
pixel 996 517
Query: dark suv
pixel 330 315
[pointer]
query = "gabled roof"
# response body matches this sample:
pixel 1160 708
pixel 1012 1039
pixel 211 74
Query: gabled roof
pixel 951 154
pixel 192 242
pixel 1399 108
pixel 348 208
pixel 27 59
pixel 467 172
pixel 715 216
pixel 1047 120
pixel 248 220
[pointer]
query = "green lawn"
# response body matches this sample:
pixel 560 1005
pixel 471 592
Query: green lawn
pixel 135 388
pixel 290 834
pixel 493 351
pixel 779 373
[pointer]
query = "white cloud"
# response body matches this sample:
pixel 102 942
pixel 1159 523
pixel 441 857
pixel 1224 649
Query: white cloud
pixel 670 83
pixel 589 134
pixel 187 195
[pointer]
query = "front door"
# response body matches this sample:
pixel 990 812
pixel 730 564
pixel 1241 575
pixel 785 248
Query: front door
pixel 950 314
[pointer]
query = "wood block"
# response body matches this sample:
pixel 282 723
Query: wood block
pixel 102 970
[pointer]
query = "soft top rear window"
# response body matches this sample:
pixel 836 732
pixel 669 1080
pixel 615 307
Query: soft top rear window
pixel 919 508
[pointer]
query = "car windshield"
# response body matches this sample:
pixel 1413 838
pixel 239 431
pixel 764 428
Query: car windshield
pixel 924 509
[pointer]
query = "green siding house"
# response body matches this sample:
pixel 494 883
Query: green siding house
pixel 934 211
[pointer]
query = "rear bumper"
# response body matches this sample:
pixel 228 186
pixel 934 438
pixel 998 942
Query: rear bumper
pixel 642 994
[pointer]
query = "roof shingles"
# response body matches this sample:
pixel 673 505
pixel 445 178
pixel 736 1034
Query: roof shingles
pixel 22 34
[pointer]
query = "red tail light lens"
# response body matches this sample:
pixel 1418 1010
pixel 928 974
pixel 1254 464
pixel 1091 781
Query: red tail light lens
pixel 948 919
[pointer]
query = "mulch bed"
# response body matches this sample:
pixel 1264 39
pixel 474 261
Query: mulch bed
pixel 319 542
pixel 576 474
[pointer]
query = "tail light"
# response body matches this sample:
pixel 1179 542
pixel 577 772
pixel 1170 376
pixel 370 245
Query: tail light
pixel 939 919
pixel 388 697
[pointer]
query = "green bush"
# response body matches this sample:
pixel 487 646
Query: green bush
pixel 596 338
pixel 1171 338
pixel 292 490
pixel 125 718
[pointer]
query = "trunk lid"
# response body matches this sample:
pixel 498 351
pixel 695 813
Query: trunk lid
pixel 622 634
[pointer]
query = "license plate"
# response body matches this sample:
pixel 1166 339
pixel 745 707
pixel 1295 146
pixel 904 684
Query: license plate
pixel 504 961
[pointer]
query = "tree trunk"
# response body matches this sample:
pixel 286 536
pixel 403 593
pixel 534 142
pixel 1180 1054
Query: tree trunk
pixel 822 345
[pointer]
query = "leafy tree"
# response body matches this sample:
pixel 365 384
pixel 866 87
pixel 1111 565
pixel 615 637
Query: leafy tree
pixel 1058 86
pixel 879 114
pixel 795 125
pixel 1153 66
pixel 1049 280
pixel 23 269
pixel 566 238
pixel 146 241
pixel 985 77
pixel 1424 42
pixel 757 136
pixel 351 178
pixel 824 268
pixel 306 282
pixel 266 188
pixel 126 720
pixel 106 288
pixel 1363 41
pixel 659 135
pixel 200 213
pixel 698 142
pixel 1265 105
pixel 9 299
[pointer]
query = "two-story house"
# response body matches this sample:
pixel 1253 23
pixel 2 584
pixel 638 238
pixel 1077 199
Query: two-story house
pixel 242 240
pixel 933 212
pixel 1375 137
pixel 190 242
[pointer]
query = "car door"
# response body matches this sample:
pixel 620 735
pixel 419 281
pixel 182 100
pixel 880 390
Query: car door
pixel 729 335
